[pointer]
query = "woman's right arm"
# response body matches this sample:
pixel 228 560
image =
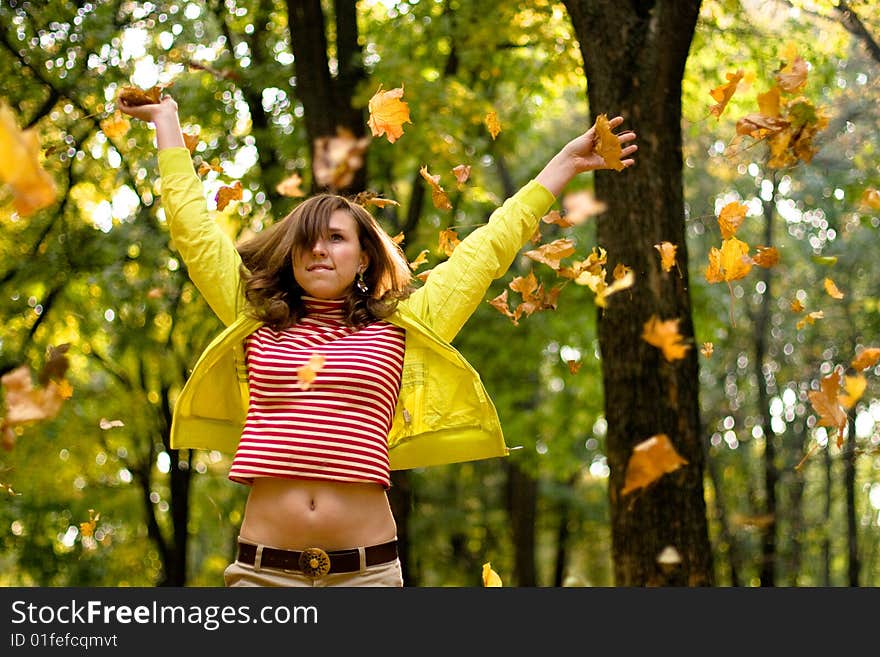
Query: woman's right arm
pixel 210 256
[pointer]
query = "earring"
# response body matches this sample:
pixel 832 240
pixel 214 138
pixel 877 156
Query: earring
pixel 360 284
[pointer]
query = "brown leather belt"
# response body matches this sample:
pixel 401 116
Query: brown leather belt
pixel 315 562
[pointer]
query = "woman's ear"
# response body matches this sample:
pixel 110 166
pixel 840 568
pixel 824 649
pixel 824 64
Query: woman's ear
pixel 365 262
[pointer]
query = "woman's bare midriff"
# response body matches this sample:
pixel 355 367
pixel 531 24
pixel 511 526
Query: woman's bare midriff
pixel 296 514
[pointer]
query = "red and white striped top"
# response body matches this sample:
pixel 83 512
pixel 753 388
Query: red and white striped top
pixel 336 427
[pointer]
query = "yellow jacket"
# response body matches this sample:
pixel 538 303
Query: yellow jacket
pixel 443 414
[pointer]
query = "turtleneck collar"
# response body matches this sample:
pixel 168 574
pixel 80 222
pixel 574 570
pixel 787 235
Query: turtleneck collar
pixel 325 307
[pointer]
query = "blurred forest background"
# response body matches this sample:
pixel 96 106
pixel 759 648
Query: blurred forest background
pixel 780 488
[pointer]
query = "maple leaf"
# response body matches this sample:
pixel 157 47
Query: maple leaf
pixel 768 102
pixel 423 275
pixel 421 259
pixel 398 239
pixel 607 144
pixel 135 96
pixel 827 405
pixel 32 188
pixel 225 195
pixel 553 217
pixel 338 158
pixel 730 263
pixel 190 141
pixel 87 529
pixel 792 76
pixel 493 124
pixel 759 126
pixel 573 366
pixel 56 365
pixel 766 257
pixel 448 240
pixel 115 125
pixel 621 271
pixel 870 198
pixel 584 271
pixel 290 186
pixel 580 206
pixel 724 93
pixel 462 172
pixel 810 319
pixel 500 304
pixel 831 289
pixel 206 167
pixel 551 254
pixel 867 358
pixel 730 218
pixel 388 113
pixel 490 577
pixel 667 254
pixel 855 388
pixel 306 374
pixel 650 460
pixel 625 281
pixel 665 336
pixel 438 196
pixel 796 306
pixel 708 349
pixel 25 403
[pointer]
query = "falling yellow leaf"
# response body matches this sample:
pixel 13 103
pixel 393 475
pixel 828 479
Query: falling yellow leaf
pixel 116 125
pixel 551 254
pixel 667 254
pixel 621 271
pixel 421 259
pixel 810 319
pixel 290 186
pixel 448 241
pixel 766 257
pixel 650 460
pixel 867 358
pixel 855 388
pixel 32 188
pixel 190 141
pixel 580 206
pixel 225 195
pixel 827 404
pixel 768 102
pixel 553 217
pixel 398 239
pixel 338 158
pixel 307 373
pixel 490 577
pixel 796 306
pixel 724 93
pixel 793 76
pixel 730 218
pixel 388 113
pixel 622 283
pixel 831 289
pixel 462 172
pixel 573 366
pixel 500 304
pixel 730 263
pixel 665 336
pixel 25 403
pixel 87 529
pixel 493 124
pixel 438 195
pixel 708 349
pixel 870 198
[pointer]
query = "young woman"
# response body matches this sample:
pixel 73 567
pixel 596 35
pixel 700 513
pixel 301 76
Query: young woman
pixel 332 370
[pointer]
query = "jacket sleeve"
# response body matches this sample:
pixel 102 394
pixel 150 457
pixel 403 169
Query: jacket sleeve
pixel 210 256
pixel 455 288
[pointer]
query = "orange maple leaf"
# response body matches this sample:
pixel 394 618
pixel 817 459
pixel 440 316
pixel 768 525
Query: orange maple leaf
pixel 306 374
pixel 448 241
pixel 667 254
pixel 580 206
pixel 810 319
pixel 768 102
pixel 500 304
pixel 607 145
pixel 730 218
pixel 831 289
pixel 827 405
pixel 26 403
pixel 724 93
pixel 550 254
pixel 868 357
pixel 388 113
pixel 338 158
pixel 870 198
pixel 665 336
pixel 553 217
pixel 796 306
pixel 462 172
pixel 87 529
pixel 135 96
pixel 438 195
pixel 421 259
pixel 190 141
pixel 855 388
pixel 32 188
pixel 759 126
pixel 115 125
pixel 766 256
pixel 650 460
pixel 573 366
pixel 493 124
pixel 792 76
pixel 290 186
pixel 730 263
pixel 225 195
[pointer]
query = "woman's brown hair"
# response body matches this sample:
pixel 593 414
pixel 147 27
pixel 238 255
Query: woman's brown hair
pixel 271 290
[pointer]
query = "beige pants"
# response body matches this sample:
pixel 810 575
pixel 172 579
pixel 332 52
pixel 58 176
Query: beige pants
pixel 383 574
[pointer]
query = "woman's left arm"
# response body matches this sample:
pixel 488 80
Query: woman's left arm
pixel 456 287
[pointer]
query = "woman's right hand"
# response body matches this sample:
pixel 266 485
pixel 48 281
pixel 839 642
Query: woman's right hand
pixel 151 113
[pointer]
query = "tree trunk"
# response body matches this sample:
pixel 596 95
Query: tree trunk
pixel 634 57
pixel 849 487
pixel 522 494
pixel 327 100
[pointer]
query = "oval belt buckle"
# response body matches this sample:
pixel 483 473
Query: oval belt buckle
pixel 314 562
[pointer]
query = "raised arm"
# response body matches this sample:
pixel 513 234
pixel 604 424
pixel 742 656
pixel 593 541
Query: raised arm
pixel 456 288
pixel 210 256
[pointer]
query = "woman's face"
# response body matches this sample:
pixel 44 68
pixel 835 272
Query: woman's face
pixel 327 269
